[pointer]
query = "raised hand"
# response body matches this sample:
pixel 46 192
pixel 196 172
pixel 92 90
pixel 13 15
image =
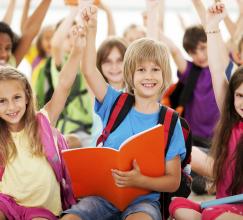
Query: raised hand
pixel 89 16
pixel 130 178
pixel 78 37
pixel 215 14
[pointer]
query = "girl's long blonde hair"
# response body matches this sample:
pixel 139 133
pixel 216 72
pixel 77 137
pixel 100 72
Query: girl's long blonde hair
pixel 7 146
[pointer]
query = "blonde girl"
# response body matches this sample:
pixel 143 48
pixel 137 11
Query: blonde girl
pixel 29 188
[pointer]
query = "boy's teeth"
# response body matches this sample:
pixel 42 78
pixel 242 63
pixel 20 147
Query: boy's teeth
pixel 148 84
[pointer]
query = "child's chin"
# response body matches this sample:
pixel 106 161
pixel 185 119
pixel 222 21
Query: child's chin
pixel 203 65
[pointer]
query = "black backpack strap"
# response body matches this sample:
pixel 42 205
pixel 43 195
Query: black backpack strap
pixel 119 110
pixel 190 85
pixel 47 73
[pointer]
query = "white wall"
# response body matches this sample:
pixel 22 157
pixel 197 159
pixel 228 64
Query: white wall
pixel 126 12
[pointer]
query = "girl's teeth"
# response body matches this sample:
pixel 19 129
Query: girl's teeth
pixel 13 114
pixel 2 62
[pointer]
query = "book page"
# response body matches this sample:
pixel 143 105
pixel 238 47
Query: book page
pixel 90 168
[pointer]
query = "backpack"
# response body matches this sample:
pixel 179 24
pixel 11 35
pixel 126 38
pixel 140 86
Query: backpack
pixel 54 157
pixel 179 94
pixel 168 117
pixel 76 116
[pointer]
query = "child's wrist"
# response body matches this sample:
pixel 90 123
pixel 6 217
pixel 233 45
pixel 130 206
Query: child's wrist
pixel 212 31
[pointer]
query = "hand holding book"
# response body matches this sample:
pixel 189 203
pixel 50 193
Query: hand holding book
pixel 127 178
pixel 91 168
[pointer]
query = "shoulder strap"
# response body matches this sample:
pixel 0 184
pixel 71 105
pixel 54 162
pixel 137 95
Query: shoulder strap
pixel 119 110
pixel 168 117
pixel 188 141
pixel 47 73
pixel 48 142
pixel 190 85
pixel 1 172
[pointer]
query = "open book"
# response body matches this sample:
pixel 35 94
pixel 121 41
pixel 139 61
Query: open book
pixel 226 200
pixel 90 168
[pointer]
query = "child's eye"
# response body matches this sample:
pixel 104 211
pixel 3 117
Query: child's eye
pixel 239 95
pixel 141 69
pixel 107 61
pixel 2 101
pixel 17 97
pixel 156 69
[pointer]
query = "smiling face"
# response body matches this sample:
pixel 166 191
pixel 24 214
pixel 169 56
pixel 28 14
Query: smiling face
pixel 148 80
pixel 12 103
pixel 238 100
pixel 45 41
pixel 112 67
pixel 5 48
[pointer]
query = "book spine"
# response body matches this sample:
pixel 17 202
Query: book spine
pixel 226 200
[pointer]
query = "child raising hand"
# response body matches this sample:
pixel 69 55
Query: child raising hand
pixel 227 152
pixel 29 188
pixel 147 73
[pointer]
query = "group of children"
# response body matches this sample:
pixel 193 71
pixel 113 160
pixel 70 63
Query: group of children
pixel 144 72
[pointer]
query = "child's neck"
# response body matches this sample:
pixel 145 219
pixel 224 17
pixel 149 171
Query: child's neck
pixel 117 86
pixel 146 106
pixel 16 128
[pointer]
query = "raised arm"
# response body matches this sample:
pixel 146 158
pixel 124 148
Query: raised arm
pixel 67 75
pixel 236 33
pixel 152 7
pixel 57 49
pixel 175 52
pixel 111 30
pixel 93 77
pixel 217 53
pixel 31 29
pixel 9 12
pixel 24 16
pixel 201 10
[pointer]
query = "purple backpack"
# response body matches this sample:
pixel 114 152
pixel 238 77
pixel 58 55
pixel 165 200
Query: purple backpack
pixel 54 157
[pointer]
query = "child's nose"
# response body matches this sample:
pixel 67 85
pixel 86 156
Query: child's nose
pixel 11 106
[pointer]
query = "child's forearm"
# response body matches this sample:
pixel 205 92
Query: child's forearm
pixel 111 30
pixel 175 52
pixel 170 182
pixel 69 70
pixel 230 25
pixel 201 10
pixel 89 59
pixel 152 20
pixel 64 28
pixel 216 56
pixel 93 77
pixel 59 36
pixel 66 79
pixel 167 183
pixel 33 23
pixel 30 30
pixel 9 13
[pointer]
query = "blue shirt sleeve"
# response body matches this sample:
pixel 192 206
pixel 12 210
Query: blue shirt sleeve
pixel 103 109
pixel 177 143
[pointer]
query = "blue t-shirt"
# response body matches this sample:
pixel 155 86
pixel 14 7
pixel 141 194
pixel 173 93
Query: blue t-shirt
pixel 134 123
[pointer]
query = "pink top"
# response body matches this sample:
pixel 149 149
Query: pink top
pixel 229 167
